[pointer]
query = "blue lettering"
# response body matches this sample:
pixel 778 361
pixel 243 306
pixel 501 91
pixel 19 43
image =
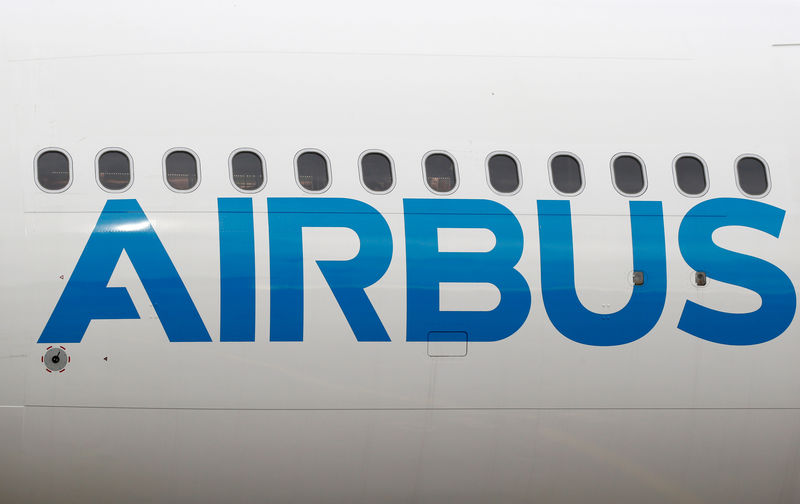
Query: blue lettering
pixel 561 302
pixel 123 226
pixel 426 268
pixel 237 265
pixel 778 299
pixel 347 279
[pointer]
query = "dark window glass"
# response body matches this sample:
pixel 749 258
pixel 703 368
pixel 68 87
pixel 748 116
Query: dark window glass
pixel 114 170
pixel 181 167
pixel 247 170
pixel 566 173
pixel 440 172
pixel 691 175
pixel 628 175
pixel 376 172
pixel 752 176
pixel 503 173
pixel 52 170
pixel 312 171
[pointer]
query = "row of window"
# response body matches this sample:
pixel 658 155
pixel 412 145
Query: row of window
pixel 312 168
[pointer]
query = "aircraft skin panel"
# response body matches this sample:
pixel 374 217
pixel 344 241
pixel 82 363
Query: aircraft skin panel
pixel 541 368
pixel 574 384
pixel 410 455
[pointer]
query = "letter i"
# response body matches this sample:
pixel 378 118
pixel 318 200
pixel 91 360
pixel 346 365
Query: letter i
pixel 237 267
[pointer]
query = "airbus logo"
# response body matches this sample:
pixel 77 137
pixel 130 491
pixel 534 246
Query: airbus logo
pixel 124 226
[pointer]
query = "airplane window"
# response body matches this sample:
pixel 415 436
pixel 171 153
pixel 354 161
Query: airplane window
pixel 440 172
pixel 503 173
pixel 181 170
pixel 53 170
pixel 751 175
pixel 566 174
pixel 312 171
pixel 690 175
pixel 376 172
pixel 114 170
pixel 247 170
pixel 628 175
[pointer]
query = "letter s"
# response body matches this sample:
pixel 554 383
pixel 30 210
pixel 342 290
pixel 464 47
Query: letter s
pixel 778 298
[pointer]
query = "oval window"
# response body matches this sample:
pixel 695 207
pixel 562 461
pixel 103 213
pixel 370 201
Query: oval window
pixel 690 175
pixel 440 172
pixel 566 174
pixel 312 171
pixel 628 175
pixel 376 172
pixel 53 170
pixel 751 176
pixel 114 170
pixel 503 173
pixel 247 170
pixel 181 170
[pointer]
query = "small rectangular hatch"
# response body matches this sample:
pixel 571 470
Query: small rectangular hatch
pixel 447 344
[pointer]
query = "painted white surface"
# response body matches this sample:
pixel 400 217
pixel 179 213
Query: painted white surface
pixel 533 418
